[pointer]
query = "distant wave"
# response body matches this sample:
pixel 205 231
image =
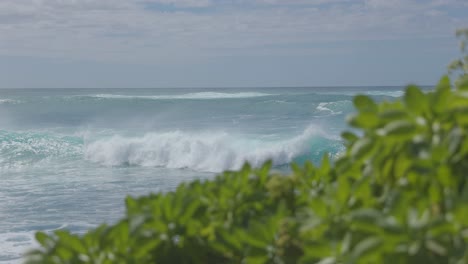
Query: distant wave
pixel 323 107
pixel 198 96
pixel 391 93
pixel 212 152
pixel 8 101
pixel 333 108
pixel 278 102
pixel 386 93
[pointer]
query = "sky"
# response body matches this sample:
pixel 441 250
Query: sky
pixel 226 43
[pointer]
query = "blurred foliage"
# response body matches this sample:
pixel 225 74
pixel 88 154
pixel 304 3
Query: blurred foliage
pixel 398 194
pixel 460 66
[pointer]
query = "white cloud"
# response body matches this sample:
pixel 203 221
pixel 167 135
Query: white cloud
pixel 182 3
pixel 298 2
pixel 126 30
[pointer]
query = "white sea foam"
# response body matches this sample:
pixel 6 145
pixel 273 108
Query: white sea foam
pixel 333 108
pixel 208 151
pixel 386 93
pixel 19 149
pixel 323 107
pixel 8 101
pixel 278 102
pixel 212 152
pixel 198 96
pixel 391 93
pixel 14 245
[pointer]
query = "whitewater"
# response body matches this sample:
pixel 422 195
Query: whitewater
pixel 69 157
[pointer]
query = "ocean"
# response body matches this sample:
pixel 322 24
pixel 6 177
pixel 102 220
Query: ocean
pixel 69 157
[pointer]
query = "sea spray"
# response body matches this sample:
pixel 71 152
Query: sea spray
pixel 208 151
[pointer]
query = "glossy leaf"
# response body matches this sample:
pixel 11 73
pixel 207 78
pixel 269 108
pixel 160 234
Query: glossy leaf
pixel 415 100
pixel 364 103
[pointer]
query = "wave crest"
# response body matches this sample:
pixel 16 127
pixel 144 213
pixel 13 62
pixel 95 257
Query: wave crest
pixel 209 151
pixel 8 101
pixel 334 108
pixel 213 152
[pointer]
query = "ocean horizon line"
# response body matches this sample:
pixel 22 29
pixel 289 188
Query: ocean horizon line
pixel 225 87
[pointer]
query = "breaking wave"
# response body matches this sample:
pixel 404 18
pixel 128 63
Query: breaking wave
pixel 8 101
pixel 212 152
pixel 202 151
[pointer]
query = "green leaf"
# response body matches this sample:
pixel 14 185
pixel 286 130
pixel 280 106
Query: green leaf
pixel 364 103
pixel 461 115
pixel 415 100
pixel 368 215
pixel 319 208
pixel 434 193
pixel 231 240
pixel 349 137
pixel 436 247
pixel 362 148
pixel 325 164
pixel 444 83
pixel 71 241
pixel 367 246
pixel 318 251
pixel 462 83
pixel 329 260
pixel 343 190
pixel 256 260
pixel 393 114
pixel 43 238
pixel 253 241
pixel 363 120
pixel 440 99
pixel 400 129
pixel 145 249
pixel 346 243
pixel 64 254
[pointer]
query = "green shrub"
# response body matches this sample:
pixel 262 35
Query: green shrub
pixel 461 65
pixel 398 194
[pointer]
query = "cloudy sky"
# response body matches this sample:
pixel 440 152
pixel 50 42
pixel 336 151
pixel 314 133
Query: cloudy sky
pixel 226 43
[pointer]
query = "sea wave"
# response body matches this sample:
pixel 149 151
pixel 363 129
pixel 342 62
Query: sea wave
pixel 334 108
pixel 386 93
pixel 209 151
pixel 14 245
pixel 8 101
pixel 195 96
pixel 213 152
pixel 390 93
pixel 18 149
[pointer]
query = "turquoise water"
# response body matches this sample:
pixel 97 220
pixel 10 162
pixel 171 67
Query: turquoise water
pixel 68 157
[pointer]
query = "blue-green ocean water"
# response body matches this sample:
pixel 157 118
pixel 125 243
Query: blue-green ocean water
pixel 68 157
